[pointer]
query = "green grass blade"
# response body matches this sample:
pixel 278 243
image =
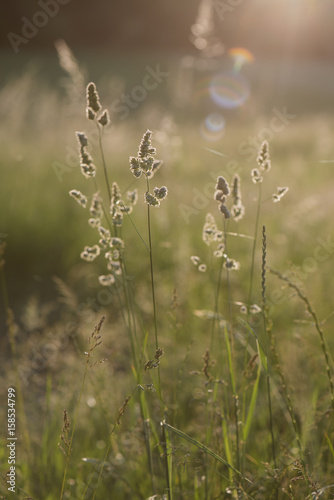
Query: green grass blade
pixel 169 462
pixel 204 448
pixel 252 405
pixel 262 355
pixel 229 357
pixel 227 446
pixel 330 445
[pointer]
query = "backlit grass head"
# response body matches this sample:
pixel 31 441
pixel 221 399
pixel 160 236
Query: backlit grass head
pixel 93 100
pixel 281 191
pixel 263 158
pixel 88 168
pixel 264 163
pixel 211 232
pixel 222 191
pixel 237 209
pixel 143 162
pixel 79 197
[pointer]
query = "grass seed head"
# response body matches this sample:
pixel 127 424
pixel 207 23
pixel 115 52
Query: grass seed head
pixel 237 209
pixel 90 253
pixel 207 365
pixel 220 196
pixel 66 421
pixel 256 176
pixel 79 197
pixel 151 200
pixel 88 169
pixel 144 162
pixel 155 167
pixel 225 211
pixel 232 264
pixel 160 193
pixel 93 100
pixel 90 114
pixel 243 309
pixel 94 222
pixel 281 191
pixel 132 196
pixel 114 266
pixel 105 233
pixel 210 232
pixel 96 210
pixel 222 185
pixel 117 243
pixel 116 205
pixel 105 237
pixel 82 139
pixel 195 260
pixel 107 280
pixel 104 119
pixel 145 147
pixel 254 309
pixel 122 409
pixel 263 158
pixel 135 166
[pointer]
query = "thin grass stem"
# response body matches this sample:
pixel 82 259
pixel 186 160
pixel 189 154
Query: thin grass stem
pixel 251 278
pixel 104 163
pixel 312 312
pixel 264 315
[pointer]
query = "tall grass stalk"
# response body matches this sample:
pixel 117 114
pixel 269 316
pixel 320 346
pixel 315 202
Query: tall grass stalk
pixel 231 356
pixel 117 422
pixel 229 343
pixel 289 402
pixel 153 292
pixel 256 230
pixel 291 413
pixel 104 162
pixel 94 341
pixel 250 291
pixel 264 315
pixel 318 328
pixel 167 457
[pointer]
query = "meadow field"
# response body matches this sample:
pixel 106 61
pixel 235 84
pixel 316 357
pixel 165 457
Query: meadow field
pixel 195 360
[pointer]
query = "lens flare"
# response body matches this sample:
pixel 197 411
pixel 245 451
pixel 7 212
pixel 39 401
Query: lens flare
pixel 240 56
pixel 229 90
pixel 213 127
